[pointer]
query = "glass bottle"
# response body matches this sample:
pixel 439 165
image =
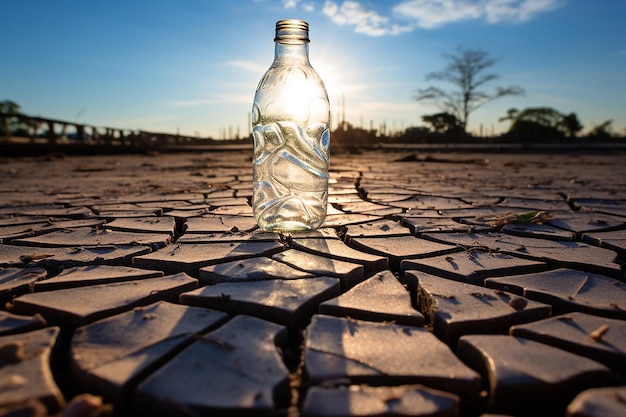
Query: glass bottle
pixel 291 133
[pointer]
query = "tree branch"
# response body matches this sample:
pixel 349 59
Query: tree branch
pixel 465 72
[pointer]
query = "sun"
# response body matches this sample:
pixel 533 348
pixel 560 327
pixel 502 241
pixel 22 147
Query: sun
pixel 336 85
pixel 346 83
pixel 332 76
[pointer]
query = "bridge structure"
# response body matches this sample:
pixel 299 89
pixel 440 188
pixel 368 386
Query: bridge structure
pixel 18 131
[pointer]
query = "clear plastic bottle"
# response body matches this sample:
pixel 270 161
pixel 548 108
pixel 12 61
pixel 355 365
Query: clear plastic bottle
pixel 291 132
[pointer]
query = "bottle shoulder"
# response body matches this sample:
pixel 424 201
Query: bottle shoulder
pixel 290 76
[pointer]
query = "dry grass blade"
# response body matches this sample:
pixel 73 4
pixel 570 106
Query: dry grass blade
pixel 537 217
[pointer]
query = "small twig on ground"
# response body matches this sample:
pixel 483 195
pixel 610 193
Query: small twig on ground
pixel 538 217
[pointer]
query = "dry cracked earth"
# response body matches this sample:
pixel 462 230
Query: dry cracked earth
pixel 440 284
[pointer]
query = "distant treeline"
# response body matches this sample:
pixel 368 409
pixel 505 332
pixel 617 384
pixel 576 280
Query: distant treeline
pixel 529 126
pixel 532 125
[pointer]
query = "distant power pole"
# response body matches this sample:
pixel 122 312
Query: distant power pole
pixel 80 113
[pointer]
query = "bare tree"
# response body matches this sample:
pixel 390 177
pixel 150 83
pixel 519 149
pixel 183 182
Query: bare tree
pixel 466 72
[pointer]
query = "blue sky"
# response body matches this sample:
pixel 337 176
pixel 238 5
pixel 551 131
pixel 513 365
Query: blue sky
pixel 192 66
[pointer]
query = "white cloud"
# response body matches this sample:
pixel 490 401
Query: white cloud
pixel 251 66
pixel 290 4
pixel 364 20
pixel 307 6
pixel 429 14
pixel 330 8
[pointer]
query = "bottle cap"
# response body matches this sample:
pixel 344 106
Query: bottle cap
pixel 292 31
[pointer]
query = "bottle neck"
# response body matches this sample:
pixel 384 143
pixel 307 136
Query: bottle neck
pixel 291 53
